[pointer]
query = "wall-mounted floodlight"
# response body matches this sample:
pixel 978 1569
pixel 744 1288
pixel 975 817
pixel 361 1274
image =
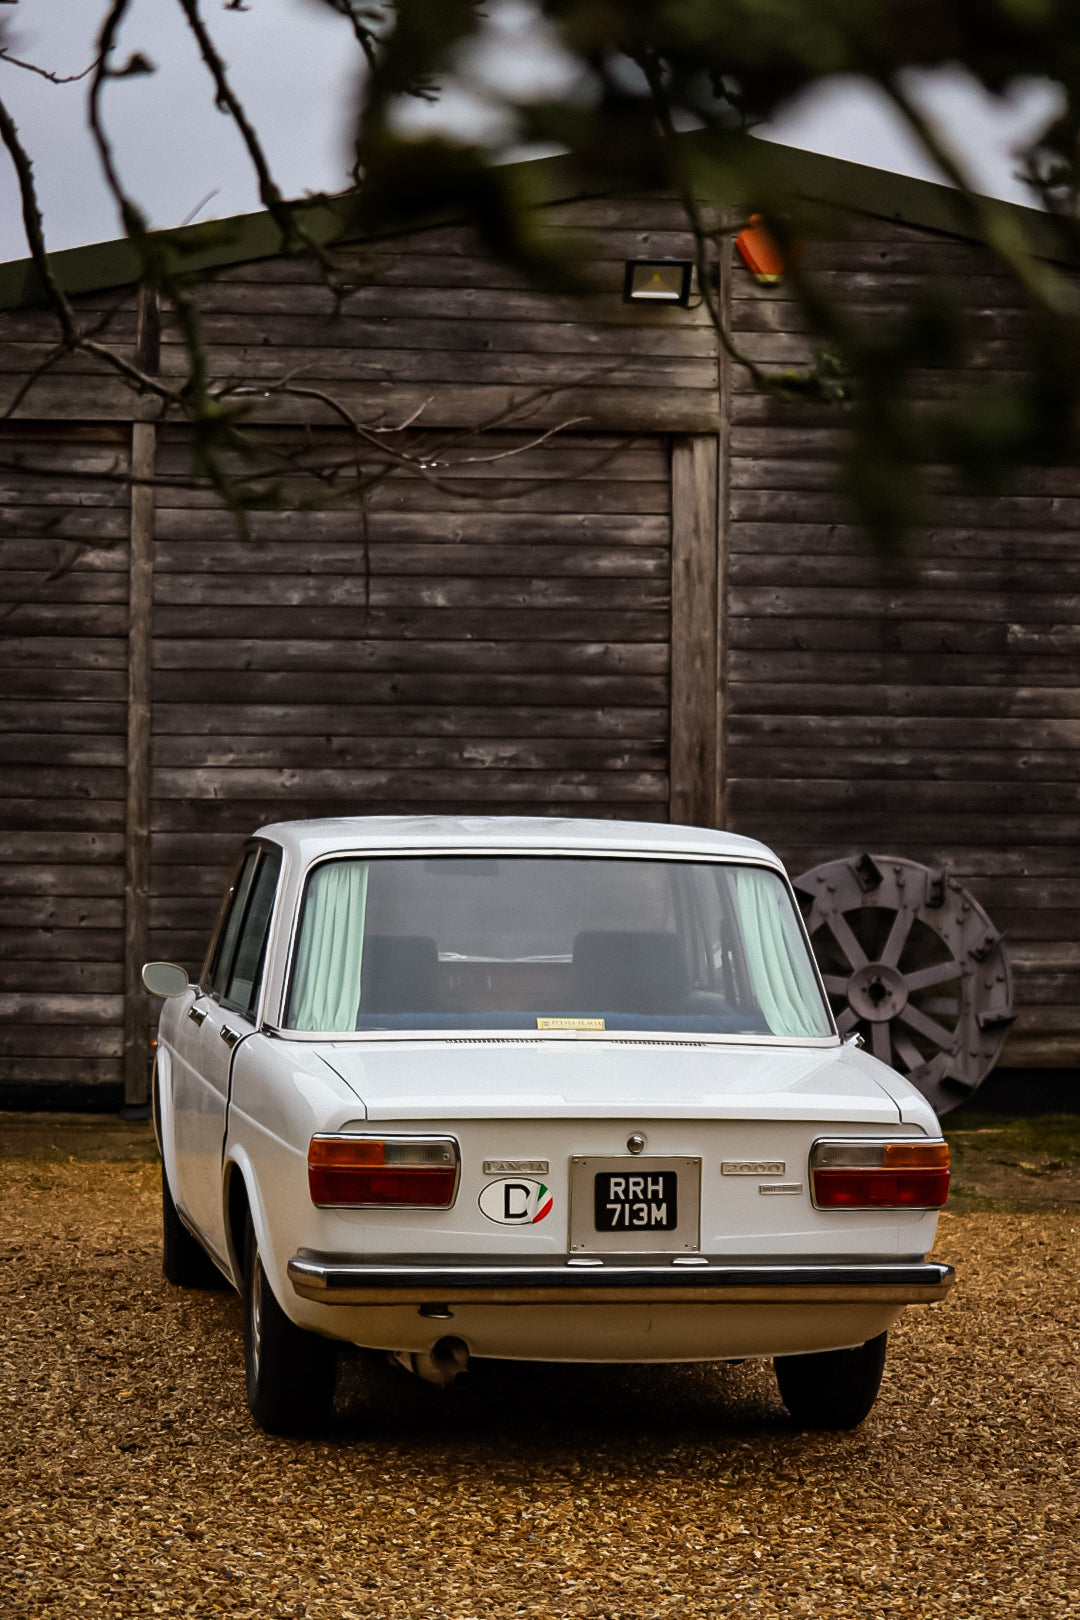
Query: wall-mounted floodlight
pixel 657 281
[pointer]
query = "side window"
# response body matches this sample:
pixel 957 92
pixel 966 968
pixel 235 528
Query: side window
pixel 245 973
pixel 238 960
pixel 230 928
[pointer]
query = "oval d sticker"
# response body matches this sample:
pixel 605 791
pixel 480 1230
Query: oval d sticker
pixel 519 1202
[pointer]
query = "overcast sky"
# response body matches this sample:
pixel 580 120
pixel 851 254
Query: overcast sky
pixel 293 64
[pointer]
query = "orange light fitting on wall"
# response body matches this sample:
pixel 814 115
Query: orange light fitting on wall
pixel 759 252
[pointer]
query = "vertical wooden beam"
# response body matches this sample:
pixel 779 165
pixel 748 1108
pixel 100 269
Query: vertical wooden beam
pixel 137 829
pixel 694 637
pixel 723 501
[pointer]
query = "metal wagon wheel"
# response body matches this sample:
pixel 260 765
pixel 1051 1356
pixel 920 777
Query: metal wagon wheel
pixel 913 964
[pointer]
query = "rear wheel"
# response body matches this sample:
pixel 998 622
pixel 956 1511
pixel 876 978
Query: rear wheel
pixel 184 1261
pixel 290 1372
pixel 834 1389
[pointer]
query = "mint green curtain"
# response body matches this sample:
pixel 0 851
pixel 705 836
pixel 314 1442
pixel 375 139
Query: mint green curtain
pixel 326 974
pixel 776 955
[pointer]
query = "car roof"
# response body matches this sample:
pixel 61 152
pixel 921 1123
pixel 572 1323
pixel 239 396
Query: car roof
pixel 310 840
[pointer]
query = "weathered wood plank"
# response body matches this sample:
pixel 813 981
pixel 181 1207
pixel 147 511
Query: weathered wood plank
pixel 810 602
pixel 192 721
pixel 471 307
pixel 70 652
pixel 93 1072
pixel 337 784
pixel 62 944
pixel 35 749
pixel 411 491
pixel 417 623
pixel 82 715
pixel 903 794
pixel 1011 742
pixel 63 911
pixel 308 532
pixel 69 978
pixel 47 1040
pixel 89 1010
pixel 60 847
pixel 451 362
pixel 449 657
pixel 454 405
pixel 411 753
pixel 1036 684
pixel 51 814
pixel 900 828
pixel 360 687
pixel 939 544
pixel 281 561
pixel 918 765
pixel 423 591
pixel 61 879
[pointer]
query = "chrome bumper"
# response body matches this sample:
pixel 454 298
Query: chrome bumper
pixel 462 1282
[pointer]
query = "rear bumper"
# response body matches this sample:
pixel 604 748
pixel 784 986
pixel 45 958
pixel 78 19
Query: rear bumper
pixel 336 1281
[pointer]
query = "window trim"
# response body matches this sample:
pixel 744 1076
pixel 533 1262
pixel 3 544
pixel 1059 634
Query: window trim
pixel 556 852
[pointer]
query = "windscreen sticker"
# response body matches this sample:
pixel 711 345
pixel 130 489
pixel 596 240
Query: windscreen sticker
pixel 570 1023
pixel 516 1203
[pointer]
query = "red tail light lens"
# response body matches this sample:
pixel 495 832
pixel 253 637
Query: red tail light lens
pixel 378 1172
pixel 879 1175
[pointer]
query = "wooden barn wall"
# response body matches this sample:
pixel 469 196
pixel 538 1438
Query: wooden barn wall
pixel 935 717
pixel 497 639
pixel 63 733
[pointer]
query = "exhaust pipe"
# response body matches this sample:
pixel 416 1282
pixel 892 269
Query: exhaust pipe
pixel 445 1364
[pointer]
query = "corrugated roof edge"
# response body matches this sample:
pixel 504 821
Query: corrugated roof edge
pixel 216 244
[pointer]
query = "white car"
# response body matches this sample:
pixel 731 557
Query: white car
pixel 540 1089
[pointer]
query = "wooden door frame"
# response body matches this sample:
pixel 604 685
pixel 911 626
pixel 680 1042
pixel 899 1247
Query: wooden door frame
pixel 696 587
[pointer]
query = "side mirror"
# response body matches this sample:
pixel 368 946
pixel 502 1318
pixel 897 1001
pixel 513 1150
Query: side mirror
pixel 164 979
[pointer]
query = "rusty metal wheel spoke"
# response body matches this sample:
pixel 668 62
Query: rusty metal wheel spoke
pixel 898 938
pixel 911 962
pixel 923 978
pixel 906 1050
pixel 880 1044
pixel 941 1037
pixel 850 948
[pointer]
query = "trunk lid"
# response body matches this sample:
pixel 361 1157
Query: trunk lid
pixel 497 1077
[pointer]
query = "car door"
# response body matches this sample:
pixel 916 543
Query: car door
pixel 220 1016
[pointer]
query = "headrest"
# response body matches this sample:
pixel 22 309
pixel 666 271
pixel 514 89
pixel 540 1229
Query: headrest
pixel 629 972
pixel 398 973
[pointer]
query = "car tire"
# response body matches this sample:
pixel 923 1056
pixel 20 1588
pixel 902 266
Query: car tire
pixel 834 1389
pixel 184 1261
pixel 290 1372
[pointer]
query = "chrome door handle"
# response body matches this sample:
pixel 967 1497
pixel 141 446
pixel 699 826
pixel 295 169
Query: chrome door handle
pixel 229 1036
pixel 196 1014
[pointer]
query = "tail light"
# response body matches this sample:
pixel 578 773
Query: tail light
pixel 376 1172
pixel 879 1175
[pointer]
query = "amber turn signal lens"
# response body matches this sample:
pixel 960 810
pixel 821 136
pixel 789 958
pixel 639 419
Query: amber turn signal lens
pixel 378 1172
pixel 880 1175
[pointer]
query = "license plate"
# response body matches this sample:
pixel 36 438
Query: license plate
pixel 633 1201
pixel 620 1204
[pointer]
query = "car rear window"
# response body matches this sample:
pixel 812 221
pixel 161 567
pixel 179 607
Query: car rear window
pixel 542 942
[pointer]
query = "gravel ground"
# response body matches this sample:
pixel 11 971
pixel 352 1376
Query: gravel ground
pixel 134 1483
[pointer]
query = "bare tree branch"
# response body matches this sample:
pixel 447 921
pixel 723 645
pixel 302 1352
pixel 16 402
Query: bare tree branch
pixel 53 78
